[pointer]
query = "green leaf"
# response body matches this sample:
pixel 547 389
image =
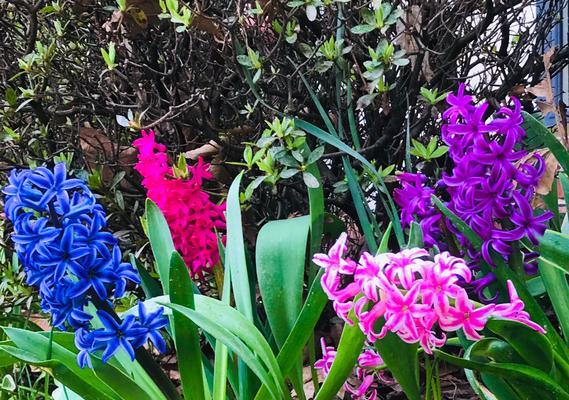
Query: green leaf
pixel 221 352
pixel 240 336
pixel 539 134
pixel 302 331
pixel 491 387
pixel 349 349
pixel 440 151
pixel 310 180
pixel 315 155
pixel 235 252
pixel 362 29
pixel 554 249
pixel 236 263
pixel 280 272
pixel 415 236
pixel 160 241
pixel 532 346
pixel 103 381
pixel 361 206
pixel 527 377
pixel 186 335
pixel 402 360
pixel 554 278
pixel 150 286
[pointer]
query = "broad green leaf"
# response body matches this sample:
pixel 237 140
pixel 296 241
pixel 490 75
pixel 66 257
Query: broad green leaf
pixel 186 335
pixel 530 378
pixel 302 331
pixel 240 336
pixel 491 387
pixel 554 248
pixel 6 359
pixel 160 241
pixel 532 346
pixel 280 272
pixel 105 378
pixel 402 361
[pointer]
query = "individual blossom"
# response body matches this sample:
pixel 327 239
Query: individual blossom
pixel 414 199
pixel 191 215
pixel 60 236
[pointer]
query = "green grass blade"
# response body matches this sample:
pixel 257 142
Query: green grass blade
pixel 360 206
pixel 337 143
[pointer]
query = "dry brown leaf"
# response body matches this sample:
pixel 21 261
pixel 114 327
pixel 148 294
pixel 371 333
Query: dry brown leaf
pixel 546 181
pixel 518 91
pixel 98 148
pixel 207 25
pixel 208 149
pixel 542 89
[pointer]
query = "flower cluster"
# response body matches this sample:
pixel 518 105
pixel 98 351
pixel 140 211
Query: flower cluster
pixel 192 217
pixel 491 185
pixel 411 295
pixel 60 238
pixel 367 372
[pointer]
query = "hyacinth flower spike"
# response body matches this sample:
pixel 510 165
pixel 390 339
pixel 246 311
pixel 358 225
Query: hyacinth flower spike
pixel 60 239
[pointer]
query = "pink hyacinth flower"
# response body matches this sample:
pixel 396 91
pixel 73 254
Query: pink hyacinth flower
pixel 456 266
pixel 369 275
pixel 402 310
pixel 328 357
pixel 370 359
pixel 515 310
pixel 367 319
pixel 464 315
pixel 404 265
pixel 437 286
